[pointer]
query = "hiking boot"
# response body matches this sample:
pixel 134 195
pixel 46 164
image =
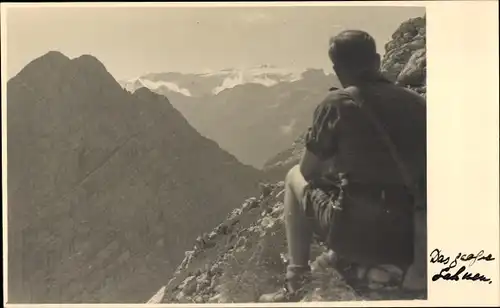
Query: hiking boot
pixel 294 289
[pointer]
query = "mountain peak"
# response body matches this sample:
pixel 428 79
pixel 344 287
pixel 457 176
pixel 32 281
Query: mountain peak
pixel 90 61
pixel 92 66
pixel 55 68
pixel 49 61
pixel 124 165
pixel 54 54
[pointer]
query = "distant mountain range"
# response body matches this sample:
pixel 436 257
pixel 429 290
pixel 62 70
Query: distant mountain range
pixel 106 189
pixel 212 83
pixel 254 113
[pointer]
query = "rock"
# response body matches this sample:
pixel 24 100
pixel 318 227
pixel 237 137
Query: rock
pixel 416 44
pixel 395 272
pixel 212 235
pixel 376 275
pixel 156 299
pixel 414 71
pixel 249 204
pixel 323 261
pixel 186 260
pixel 265 189
pixel 198 299
pixel 234 213
pixel 190 285
pixel 224 229
pixel 268 222
pixel 214 282
pixel 205 297
pixel 203 282
pixel 218 288
pixel 214 299
pixel 252 229
pixel 405 59
pixel 281 193
pixel 384 275
pixel 277 210
pixel 180 297
pixel 240 242
pixel 421 31
pixel 216 269
pixel 284 258
pixel 206 270
pixel 200 242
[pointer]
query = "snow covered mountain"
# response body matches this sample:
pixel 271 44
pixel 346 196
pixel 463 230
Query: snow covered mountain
pixel 212 83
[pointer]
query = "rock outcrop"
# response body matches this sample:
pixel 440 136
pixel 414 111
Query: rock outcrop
pixel 404 61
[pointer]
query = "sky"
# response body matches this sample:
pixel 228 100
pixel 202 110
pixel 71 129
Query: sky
pixel 132 41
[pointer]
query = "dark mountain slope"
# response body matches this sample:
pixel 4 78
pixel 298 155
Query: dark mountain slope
pixel 105 189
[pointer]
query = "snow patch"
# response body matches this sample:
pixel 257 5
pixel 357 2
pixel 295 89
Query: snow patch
pixel 264 75
pixel 154 85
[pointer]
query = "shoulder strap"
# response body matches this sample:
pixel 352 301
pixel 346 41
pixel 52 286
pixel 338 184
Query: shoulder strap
pixel 404 171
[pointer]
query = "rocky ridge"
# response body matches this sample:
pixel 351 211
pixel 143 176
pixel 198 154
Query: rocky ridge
pixel 245 256
pixel 404 61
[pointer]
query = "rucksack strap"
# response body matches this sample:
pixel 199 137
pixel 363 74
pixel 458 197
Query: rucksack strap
pixel 409 182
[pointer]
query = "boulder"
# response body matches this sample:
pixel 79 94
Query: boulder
pixel 265 189
pixel 215 299
pixel 189 285
pixel 414 72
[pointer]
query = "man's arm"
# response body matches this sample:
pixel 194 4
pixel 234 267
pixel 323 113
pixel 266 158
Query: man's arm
pixel 320 142
pixel 310 166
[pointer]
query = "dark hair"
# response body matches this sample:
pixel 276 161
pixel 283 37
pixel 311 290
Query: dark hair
pixel 352 49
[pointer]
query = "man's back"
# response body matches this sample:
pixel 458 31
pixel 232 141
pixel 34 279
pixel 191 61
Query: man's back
pixel 361 153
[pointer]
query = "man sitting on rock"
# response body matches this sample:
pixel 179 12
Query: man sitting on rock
pixel 364 170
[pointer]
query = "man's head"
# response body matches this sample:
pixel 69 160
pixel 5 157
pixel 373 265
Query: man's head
pixel 354 55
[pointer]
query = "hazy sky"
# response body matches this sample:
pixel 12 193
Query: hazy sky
pixel 134 41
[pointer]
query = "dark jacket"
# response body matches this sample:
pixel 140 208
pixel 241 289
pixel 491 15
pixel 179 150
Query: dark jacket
pixel 342 133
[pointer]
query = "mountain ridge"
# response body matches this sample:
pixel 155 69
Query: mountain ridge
pixel 98 177
pixel 175 81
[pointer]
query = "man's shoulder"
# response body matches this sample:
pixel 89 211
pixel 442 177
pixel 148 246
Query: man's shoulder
pixel 337 97
pixel 401 92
